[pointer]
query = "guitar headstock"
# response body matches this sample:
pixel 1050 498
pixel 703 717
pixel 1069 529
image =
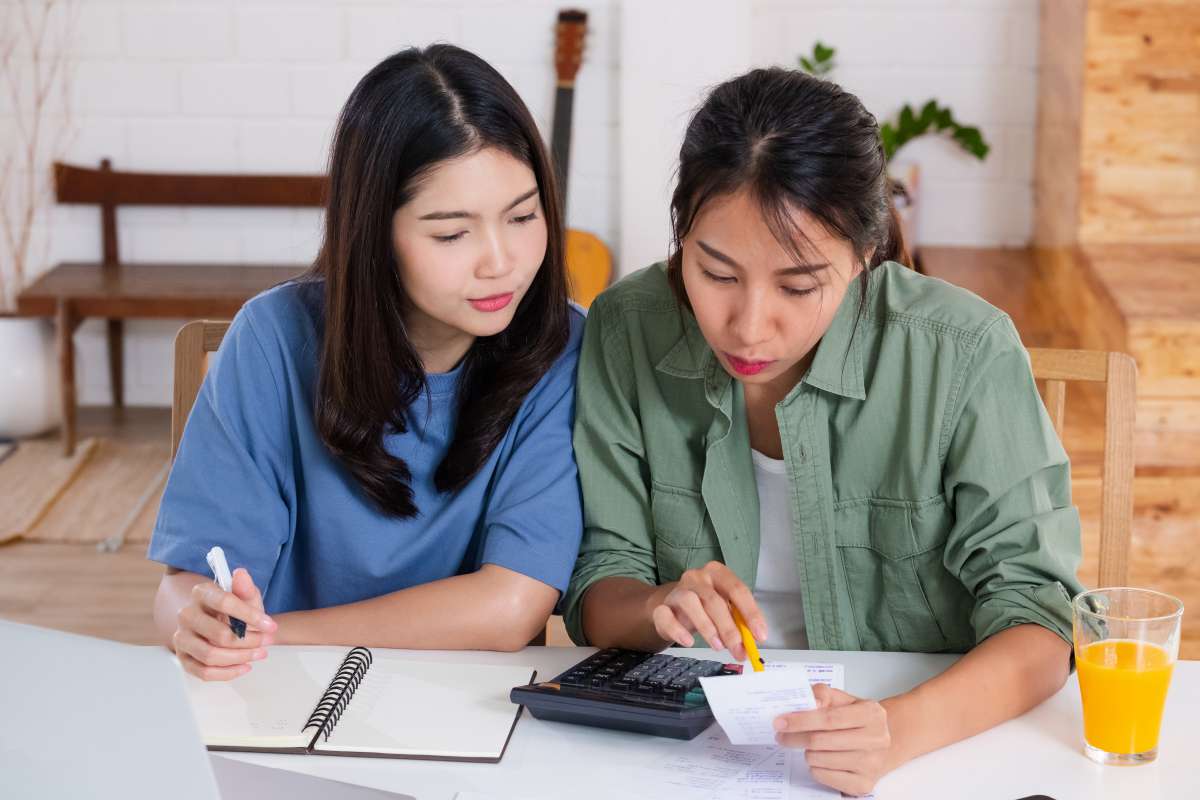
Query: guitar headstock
pixel 568 45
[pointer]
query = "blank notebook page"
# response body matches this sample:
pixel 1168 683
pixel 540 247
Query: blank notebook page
pixel 268 706
pixel 429 709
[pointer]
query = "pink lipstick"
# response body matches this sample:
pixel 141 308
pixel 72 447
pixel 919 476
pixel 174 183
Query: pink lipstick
pixel 744 366
pixel 493 303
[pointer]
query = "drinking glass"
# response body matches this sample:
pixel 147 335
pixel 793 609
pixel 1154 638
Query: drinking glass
pixel 1126 644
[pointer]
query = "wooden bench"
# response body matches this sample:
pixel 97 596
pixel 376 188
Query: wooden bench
pixel 116 291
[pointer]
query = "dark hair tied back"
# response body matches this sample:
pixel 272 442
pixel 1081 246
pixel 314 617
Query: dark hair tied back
pixel 795 142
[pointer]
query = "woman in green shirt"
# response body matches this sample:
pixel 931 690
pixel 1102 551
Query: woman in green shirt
pixel 783 418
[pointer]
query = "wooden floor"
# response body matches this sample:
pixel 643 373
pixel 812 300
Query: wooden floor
pixel 75 588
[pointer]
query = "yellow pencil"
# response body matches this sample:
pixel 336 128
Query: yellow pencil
pixel 756 661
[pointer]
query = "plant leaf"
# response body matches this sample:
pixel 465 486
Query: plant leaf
pixel 887 134
pixel 972 141
pixel 910 125
pixel 929 113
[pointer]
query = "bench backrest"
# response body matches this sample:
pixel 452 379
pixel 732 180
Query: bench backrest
pixel 109 188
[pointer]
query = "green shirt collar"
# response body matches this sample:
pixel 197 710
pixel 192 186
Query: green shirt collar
pixel 691 356
pixel 837 366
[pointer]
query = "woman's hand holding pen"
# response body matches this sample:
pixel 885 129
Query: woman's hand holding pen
pixel 204 642
pixel 700 603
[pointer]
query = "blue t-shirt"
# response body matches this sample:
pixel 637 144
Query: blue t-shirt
pixel 253 476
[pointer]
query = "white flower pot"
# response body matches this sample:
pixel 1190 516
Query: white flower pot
pixel 29 378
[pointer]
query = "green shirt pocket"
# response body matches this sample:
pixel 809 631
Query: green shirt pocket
pixel 902 597
pixel 684 536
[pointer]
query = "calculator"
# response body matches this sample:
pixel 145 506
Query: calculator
pixel 629 690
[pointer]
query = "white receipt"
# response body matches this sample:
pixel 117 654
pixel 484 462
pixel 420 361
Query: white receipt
pixel 742 709
pixel 746 705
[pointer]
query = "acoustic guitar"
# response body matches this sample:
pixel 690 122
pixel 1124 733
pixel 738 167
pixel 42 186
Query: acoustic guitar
pixel 589 263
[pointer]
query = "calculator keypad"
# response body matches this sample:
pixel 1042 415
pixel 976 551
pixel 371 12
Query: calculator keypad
pixel 653 678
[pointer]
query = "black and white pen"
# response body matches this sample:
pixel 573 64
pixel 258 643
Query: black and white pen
pixel 220 568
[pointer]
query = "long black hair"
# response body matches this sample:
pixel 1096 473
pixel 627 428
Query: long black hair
pixel 795 142
pixel 413 111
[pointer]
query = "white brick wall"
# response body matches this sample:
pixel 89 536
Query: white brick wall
pixel 977 56
pixel 254 86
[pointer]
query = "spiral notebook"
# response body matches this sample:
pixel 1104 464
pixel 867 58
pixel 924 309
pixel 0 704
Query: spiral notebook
pixel 361 703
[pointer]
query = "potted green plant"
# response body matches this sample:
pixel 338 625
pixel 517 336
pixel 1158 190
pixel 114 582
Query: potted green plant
pixel 932 119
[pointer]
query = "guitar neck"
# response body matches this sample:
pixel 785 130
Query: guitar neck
pixel 560 138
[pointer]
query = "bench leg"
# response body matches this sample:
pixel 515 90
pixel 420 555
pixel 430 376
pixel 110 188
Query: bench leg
pixel 116 373
pixel 66 325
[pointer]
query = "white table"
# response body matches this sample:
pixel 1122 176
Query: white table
pixel 1038 753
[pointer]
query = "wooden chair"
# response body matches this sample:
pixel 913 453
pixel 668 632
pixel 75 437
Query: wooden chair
pixel 117 291
pixel 193 343
pixel 1118 372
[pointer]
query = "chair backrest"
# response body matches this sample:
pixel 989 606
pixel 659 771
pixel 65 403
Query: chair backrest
pixel 108 188
pixel 193 343
pixel 1118 373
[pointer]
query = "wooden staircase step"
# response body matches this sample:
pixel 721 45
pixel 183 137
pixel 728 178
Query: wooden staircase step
pixel 1167 434
pixel 1145 301
pixel 1156 291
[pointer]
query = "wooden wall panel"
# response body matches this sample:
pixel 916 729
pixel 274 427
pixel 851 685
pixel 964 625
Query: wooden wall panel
pixel 1162 553
pixel 1140 129
pixel 1060 104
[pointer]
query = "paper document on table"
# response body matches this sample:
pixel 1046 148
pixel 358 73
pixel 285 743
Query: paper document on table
pixel 702 766
pixel 746 705
pixel 711 768
pixel 829 674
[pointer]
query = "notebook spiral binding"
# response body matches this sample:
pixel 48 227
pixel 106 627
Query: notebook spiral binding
pixel 341 689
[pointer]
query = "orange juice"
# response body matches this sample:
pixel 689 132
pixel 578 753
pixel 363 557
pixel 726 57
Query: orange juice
pixel 1124 688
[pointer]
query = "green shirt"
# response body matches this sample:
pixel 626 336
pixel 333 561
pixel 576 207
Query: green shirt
pixel 930 497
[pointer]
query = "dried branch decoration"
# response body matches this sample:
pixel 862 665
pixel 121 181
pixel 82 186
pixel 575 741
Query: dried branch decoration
pixel 35 72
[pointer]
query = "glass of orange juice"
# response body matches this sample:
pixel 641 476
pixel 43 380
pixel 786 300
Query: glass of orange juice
pixel 1126 643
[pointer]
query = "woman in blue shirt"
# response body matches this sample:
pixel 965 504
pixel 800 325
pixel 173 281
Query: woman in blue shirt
pixel 383 446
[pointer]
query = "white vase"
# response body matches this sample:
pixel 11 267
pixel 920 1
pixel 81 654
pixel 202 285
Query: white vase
pixel 29 378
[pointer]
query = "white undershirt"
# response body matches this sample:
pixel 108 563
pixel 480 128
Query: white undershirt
pixel 777 589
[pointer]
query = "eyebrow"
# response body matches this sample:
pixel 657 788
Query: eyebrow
pixel 797 269
pixel 469 215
